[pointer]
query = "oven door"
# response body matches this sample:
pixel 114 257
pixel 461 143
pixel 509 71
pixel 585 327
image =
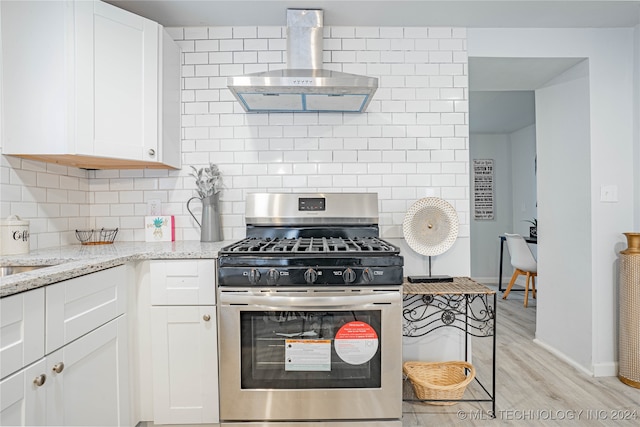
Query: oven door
pixel 319 354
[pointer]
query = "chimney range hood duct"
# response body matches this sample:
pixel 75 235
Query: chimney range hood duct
pixel 303 86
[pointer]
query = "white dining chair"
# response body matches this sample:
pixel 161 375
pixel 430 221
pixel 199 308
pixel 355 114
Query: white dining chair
pixel 523 262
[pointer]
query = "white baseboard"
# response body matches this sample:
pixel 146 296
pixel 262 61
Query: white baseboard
pixel 563 357
pixel 609 369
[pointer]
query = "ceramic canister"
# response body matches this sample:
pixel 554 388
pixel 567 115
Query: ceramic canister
pixel 14 236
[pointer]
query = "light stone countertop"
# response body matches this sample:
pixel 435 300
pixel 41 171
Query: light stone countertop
pixel 71 261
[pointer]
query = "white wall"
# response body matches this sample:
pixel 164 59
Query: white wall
pixel 562 110
pixel 636 128
pixel 523 178
pixel 610 54
pixel 485 244
pixel 515 197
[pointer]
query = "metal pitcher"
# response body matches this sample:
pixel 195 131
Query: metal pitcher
pixel 210 227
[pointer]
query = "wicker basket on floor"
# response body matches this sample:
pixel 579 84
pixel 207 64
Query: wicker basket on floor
pixel 439 380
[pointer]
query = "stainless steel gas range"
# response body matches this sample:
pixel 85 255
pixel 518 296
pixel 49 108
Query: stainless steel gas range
pixel 310 315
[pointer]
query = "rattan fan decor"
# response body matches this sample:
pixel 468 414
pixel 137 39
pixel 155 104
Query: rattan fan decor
pixel 430 228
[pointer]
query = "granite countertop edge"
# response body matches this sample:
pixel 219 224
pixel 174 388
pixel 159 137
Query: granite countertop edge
pixel 66 262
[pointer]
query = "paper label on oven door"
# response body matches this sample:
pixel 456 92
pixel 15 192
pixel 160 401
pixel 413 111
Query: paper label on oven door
pixel 307 355
pixel 356 342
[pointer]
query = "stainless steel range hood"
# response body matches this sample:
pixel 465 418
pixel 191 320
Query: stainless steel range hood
pixel 303 86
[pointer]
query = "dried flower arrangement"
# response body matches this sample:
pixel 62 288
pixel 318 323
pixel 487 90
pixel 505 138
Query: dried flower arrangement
pixel 208 180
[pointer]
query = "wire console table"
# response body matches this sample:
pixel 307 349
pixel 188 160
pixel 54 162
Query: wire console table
pixel 465 305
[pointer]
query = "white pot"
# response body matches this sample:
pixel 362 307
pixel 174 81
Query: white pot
pixel 14 236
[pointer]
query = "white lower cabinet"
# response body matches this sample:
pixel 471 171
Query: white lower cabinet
pixel 81 375
pixel 87 379
pixel 23 403
pixel 81 384
pixel 185 364
pixel 21 330
pixel 184 344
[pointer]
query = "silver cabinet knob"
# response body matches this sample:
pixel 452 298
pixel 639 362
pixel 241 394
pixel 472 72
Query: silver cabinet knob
pixel 58 367
pixel 152 152
pixel 40 380
pixel 206 317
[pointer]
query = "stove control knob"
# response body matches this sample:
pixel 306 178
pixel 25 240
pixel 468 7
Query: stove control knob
pixel 254 276
pixel 310 276
pixel 349 276
pixel 367 275
pixel 272 276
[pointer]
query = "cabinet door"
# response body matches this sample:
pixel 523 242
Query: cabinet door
pixel 117 81
pixel 77 306
pixel 21 330
pixel 183 282
pixel 35 79
pixel 22 401
pixel 88 379
pixel 185 365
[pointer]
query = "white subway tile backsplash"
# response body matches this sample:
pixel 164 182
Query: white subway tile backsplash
pixel 56 195
pixel 341 32
pixel 441 106
pixel 11 193
pixel 415 33
pixel 231 45
pixel 24 210
pixel 346 56
pixel 392 32
pixel 194 33
pixel 402 44
pixel 243 58
pixel 247 32
pixel 269 57
pixel 176 33
pixel 413 138
pixel 440 32
pixel 192 58
pixel 269 32
pixel 346 44
pixel 395 56
pixel 47 180
pixel 186 45
pixel 206 45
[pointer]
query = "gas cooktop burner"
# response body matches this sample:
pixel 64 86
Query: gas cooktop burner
pixel 324 239
pixel 311 245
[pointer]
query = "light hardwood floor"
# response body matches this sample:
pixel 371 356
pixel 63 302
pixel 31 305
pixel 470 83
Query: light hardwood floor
pixel 534 387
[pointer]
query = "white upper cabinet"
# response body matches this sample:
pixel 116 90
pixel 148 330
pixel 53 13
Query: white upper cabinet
pixel 90 85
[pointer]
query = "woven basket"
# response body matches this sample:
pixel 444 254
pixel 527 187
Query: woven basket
pixel 439 380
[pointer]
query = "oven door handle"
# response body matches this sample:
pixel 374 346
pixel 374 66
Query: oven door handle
pixel 315 301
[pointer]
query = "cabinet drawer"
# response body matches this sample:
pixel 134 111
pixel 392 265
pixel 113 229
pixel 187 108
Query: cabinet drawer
pixel 21 330
pixel 183 282
pixel 80 305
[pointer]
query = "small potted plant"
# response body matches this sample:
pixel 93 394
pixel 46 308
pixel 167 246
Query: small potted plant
pixel 533 231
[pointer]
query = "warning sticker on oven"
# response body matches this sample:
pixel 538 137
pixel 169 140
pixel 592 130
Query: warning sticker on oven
pixel 307 355
pixel 356 342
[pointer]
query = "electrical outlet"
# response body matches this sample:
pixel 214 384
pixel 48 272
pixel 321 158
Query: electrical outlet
pixel 154 207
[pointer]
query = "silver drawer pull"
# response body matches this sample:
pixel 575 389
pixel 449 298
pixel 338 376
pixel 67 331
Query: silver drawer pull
pixel 206 317
pixel 58 367
pixel 40 380
pixel 152 152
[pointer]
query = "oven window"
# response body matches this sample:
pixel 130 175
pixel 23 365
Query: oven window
pixel 310 349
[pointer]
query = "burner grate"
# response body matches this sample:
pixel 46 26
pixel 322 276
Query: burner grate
pixel 305 245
